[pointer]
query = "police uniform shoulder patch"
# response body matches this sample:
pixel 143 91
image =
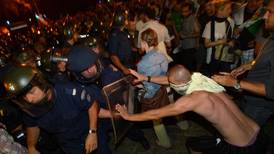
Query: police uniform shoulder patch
pixel 83 94
pixel 74 91
pixel 88 98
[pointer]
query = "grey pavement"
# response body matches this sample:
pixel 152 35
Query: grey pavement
pixel 178 138
pixel 176 135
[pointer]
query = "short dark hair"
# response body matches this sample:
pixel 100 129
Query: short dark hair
pixel 149 12
pixel 220 4
pixel 187 4
pixel 131 15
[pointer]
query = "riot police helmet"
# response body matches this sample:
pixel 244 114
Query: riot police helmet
pixel 81 59
pixel 20 81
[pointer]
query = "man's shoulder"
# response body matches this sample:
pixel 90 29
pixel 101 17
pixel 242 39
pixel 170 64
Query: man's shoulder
pixel 73 89
pixel 115 32
pixel 231 21
pixel 191 18
pixel 153 57
pixel 158 55
pixel 60 85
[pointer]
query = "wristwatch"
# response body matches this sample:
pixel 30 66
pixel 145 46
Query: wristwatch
pixel 148 78
pixel 92 131
pixel 237 85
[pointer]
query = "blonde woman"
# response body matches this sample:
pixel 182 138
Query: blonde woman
pixel 154 63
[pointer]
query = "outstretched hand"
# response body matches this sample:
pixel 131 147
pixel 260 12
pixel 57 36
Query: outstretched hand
pixel 139 77
pixel 225 79
pixel 240 70
pixel 123 111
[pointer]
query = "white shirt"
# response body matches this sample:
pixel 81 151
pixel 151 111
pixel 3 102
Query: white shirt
pixel 139 25
pixel 220 33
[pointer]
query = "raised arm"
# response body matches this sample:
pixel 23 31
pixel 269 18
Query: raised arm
pixel 182 105
pixel 156 79
pixel 253 87
pixel 116 61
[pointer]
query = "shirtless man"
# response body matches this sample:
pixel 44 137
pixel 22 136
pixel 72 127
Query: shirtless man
pixel 240 133
pixel 182 81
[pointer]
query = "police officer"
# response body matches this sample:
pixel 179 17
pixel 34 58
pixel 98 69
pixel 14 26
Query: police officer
pixel 66 110
pixel 4 65
pixel 71 35
pixel 87 68
pixel 119 44
pixel 10 115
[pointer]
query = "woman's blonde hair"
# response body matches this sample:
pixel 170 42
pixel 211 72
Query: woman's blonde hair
pixel 150 36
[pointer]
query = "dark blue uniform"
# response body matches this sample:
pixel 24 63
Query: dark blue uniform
pixel 119 44
pixel 68 119
pixel 104 125
pixel 108 76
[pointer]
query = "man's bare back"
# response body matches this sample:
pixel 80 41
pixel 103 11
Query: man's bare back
pixel 220 110
pixel 236 128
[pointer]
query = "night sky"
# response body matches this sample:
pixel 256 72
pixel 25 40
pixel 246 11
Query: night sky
pixel 19 9
pixel 54 7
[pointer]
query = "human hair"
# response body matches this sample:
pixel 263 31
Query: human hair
pixel 150 36
pixel 149 12
pixel 188 5
pixel 131 15
pixel 220 4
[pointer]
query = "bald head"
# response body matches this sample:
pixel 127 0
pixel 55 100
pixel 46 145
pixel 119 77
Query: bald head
pixel 178 74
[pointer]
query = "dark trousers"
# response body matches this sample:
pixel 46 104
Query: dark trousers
pixel 103 127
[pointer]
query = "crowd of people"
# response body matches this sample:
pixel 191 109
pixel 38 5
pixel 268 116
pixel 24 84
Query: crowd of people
pixel 214 55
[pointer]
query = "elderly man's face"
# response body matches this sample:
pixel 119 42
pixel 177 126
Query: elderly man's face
pixel 179 86
pixel 269 17
pixel 176 82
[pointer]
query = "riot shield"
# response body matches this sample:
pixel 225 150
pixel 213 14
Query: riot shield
pixel 120 92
